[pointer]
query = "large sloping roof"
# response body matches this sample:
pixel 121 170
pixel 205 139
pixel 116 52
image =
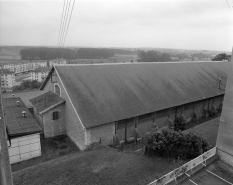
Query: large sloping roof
pixel 111 92
pixel 46 101
pixel 17 125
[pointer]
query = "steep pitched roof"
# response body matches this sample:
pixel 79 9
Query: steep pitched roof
pixel 109 92
pixel 16 123
pixel 46 101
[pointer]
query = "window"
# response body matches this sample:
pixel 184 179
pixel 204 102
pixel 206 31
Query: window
pixel 186 106
pixel 125 122
pixel 56 115
pixel 145 117
pixel 57 90
pixel 162 113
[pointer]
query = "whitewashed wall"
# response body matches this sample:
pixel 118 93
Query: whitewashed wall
pixel 23 148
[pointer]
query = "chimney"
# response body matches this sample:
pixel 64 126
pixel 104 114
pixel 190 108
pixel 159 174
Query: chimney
pixel 17 102
pixel 24 114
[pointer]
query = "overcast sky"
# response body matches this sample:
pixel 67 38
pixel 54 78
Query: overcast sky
pixel 184 24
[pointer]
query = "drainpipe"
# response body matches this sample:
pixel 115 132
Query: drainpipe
pixel 42 123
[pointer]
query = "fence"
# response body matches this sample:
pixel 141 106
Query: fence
pixel 184 168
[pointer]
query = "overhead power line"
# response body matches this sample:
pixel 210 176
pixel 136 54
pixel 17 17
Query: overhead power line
pixel 63 26
pixel 60 27
pixel 229 6
pixel 67 26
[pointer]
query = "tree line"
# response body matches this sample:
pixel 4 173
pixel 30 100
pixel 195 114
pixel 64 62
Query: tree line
pixel 44 53
pixel 153 56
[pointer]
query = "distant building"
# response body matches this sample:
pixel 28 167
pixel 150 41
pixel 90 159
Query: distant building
pixel 25 66
pixel 23 131
pixel 40 73
pixel 55 62
pixel 7 78
pixel 92 103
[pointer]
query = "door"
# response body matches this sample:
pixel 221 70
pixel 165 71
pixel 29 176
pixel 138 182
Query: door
pixel 125 129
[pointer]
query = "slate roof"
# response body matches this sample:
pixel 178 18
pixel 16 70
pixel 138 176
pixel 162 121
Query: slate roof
pixel 103 93
pixel 46 101
pixel 16 124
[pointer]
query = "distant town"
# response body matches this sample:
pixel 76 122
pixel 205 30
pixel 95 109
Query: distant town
pixel 19 64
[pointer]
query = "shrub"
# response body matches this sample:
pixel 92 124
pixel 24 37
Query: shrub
pixel 171 144
pixel 180 123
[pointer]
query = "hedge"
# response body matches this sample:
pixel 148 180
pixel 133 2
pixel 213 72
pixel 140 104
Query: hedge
pixel 172 144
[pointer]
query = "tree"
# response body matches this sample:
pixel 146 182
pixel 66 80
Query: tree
pixel 221 57
pixel 153 56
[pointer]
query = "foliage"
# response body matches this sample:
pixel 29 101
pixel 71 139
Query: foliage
pixel 94 53
pixel 44 53
pixel 200 55
pixel 180 123
pixel 171 144
pixel 221 57
pixel 27 84
pixel 153 56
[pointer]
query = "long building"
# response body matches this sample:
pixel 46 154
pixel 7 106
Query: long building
pixel 7 78
pixel 25 66
pixel 92 103
pixel 40 73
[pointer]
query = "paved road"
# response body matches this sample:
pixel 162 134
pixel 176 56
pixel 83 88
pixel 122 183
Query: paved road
pixel 25 96
pixel 216 174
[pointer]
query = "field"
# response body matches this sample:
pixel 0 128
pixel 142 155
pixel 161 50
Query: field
pixel 100 166
pixel 115 59
pixel 6 57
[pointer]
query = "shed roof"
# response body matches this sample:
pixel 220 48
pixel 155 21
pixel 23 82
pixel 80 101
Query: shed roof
pixel 46 101
pixel 16 123
pixel 109 92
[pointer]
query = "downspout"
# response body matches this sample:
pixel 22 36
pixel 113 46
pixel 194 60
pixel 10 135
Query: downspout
pixel 42 123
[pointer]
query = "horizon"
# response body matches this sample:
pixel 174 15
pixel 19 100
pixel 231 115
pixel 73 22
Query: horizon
pixel 113 47
pixel 176 24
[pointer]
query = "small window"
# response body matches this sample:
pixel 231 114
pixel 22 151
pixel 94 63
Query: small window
pixel 56 115
pixel 121 124
pixel 186 106
pixel 125 122
pixel 145 117
pixel 162 113
pixel 57 90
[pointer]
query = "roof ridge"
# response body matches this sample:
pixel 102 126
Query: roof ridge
pixel 138 63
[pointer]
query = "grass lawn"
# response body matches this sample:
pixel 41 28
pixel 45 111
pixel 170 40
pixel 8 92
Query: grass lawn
pixel 208 130
pixel 99 166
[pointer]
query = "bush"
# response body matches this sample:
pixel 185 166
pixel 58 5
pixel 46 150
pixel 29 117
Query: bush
pixel 180 123
pixel 171 144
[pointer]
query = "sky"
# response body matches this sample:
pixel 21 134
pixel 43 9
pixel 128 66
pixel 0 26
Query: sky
pixel 179 24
